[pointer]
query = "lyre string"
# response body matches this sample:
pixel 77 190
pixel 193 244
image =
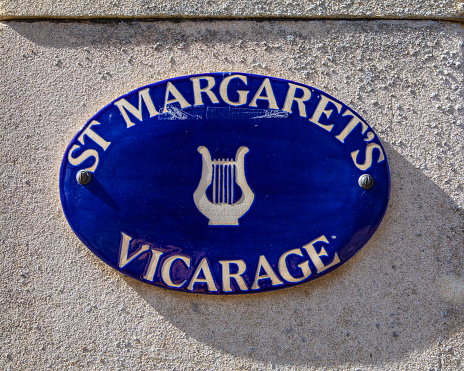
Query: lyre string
pixel 223 181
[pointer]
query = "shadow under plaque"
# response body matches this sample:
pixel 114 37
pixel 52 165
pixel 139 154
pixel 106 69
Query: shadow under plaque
pixel 393 298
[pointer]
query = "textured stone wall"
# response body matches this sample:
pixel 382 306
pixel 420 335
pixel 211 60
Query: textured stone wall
pixel 398 304
pixel 437 9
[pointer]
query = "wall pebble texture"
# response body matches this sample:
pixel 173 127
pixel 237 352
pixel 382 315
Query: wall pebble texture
pixel 431 9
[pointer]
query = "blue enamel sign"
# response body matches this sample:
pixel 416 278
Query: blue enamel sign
pixel 225 183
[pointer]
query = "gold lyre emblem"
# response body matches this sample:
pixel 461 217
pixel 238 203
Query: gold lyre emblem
pixel 223 174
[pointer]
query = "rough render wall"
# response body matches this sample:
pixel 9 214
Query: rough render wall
pixel 398 304
pixel 437 9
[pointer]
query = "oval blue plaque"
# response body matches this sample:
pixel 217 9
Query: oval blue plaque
pixel 225 183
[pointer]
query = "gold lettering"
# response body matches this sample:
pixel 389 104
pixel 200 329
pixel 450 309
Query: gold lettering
pixel 124 105
pixel 283 268
pixel 197 90
pixel 94 136
pixel 350 126
pixel 82 157
pixel 291 98
pixel 266 85
pixel 369 152
pixel 322 109
pixel 171 89
pixel 242 94
pixel 203 267
pixel 154 260
pixel 166 270
pixel 264 264
pixel 124 257
pixel 316 256
pixel 227 276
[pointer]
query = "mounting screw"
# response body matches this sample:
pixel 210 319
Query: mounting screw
pixel 83 177
pixel 365 181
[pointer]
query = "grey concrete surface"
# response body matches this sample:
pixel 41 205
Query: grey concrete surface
pixel 398 304
pixel 431 9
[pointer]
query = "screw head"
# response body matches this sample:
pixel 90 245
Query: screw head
pixel 365 181
pixel 83 177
